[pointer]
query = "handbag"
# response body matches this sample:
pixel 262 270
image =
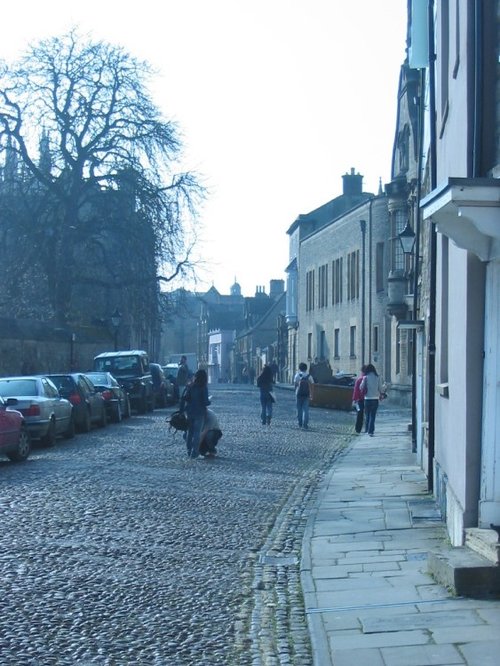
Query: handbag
pixel 178 421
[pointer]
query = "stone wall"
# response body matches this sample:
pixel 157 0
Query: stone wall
pixel 36 347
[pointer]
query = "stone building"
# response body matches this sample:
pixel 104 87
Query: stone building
pixel 230 333
pixel 337 282
pixel 402 200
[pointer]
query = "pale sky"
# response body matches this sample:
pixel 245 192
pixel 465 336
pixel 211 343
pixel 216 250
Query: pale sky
pixel 276 100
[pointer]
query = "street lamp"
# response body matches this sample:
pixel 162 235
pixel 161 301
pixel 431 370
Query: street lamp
pixel 407 239
pixel 116 318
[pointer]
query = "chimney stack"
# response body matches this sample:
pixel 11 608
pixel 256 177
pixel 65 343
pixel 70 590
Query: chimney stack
pixel 352 183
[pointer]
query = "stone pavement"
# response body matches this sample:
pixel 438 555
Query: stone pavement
pixel 369 598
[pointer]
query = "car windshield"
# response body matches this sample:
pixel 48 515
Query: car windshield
pixel 98 378
pixel 63 382
pixel 18 387
pixel 118 365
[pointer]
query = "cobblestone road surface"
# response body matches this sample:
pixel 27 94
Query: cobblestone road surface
pixel 117 550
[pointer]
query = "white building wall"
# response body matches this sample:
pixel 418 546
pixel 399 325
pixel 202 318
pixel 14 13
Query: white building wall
pixel 459 296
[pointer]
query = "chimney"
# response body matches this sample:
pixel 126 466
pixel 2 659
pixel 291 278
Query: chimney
pixel 276 288
pixel 352 183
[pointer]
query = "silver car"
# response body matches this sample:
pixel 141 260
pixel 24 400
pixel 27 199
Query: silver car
pixel 46 414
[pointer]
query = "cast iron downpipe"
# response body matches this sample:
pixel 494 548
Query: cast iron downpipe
pixel 416 267
pixel 431 349
pixel 362 224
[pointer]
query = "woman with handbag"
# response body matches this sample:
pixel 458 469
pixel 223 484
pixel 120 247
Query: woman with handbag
pixel 358 400
pixel 371 386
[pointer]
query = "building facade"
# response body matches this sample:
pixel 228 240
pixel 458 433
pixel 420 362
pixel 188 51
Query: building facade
pixel 461 215
pixel 337 282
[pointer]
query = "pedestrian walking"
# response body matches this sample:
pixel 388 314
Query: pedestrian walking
pixel 302 382
pixel 182 376
pixel 195 402
pixel 266 385
pixel 358 400
pixel 372 388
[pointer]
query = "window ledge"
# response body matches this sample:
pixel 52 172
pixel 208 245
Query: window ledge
pixel 443 390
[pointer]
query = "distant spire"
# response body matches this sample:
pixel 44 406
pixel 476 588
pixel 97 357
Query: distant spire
pixel 235 289
pixel 380 190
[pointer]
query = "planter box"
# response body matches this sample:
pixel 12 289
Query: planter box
pixel 331 396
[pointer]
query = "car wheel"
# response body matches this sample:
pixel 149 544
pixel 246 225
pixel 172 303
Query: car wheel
pixel 127 411
pixel 117 417
pixel 143 405
pixel 23 447
pixel 49 439
pixel 86 424
pixel 103 421
pixel 70 432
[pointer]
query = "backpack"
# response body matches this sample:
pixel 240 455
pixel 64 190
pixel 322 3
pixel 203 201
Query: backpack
pixel 178 421
pixel 303 389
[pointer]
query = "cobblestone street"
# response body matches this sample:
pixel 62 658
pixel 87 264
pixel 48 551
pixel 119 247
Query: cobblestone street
pixel 118 550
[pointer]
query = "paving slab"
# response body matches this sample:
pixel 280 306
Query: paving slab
pixel 369 596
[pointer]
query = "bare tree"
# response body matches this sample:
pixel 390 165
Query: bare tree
pixel 99 160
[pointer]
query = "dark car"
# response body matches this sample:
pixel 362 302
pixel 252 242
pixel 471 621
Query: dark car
pixel 115 397
pixel 88 404
pixel 45 412
pixel 131 369
pixel 15 440
pixel 170 372
pixel 160 388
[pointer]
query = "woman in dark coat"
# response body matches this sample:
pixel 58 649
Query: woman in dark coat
pixel 195 402
pixel 266 384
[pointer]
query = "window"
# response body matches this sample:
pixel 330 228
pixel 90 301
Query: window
pixel 336 343
pixel 323 286
pixel 398 351
pixel 375 340
pixel 322 345
pixel 353 275
pixel 352 342
pixel 379 266
pixel 398 222
pixel 309 346
pixel 337 281
pixel 444 61
pixel 310 290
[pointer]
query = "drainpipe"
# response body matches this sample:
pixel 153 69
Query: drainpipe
pixel 362 224
pixel 416 268
pixel 431 349
pixel 477 126
pixel 370 275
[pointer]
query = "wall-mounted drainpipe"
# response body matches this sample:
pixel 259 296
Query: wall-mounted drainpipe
pixel 431 349
pixel 362 224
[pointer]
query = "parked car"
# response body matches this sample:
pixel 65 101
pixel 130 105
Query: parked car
pixel 159 384
pixel 170 372
pixel 88 404
pixel 131 369
pixel 15 440
pixel 115 397
pixel 46 413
